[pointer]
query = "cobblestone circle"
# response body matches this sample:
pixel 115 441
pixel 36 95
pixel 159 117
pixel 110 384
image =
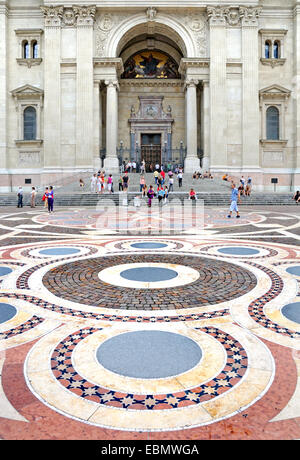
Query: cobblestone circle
pixel 219 281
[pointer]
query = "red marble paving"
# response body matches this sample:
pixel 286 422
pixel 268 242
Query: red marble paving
pixel 252 424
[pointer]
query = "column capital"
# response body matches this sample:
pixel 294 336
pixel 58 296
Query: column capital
pixel 249 15
pixel 112 84
pixel 84 15
pixel 53 15
pixel 190 83
pixel 216 15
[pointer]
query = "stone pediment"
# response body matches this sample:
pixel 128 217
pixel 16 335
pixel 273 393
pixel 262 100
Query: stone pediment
pixel 27 91
pixel 275 90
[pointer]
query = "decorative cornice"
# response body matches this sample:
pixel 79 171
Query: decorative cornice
pixel 26 32
pixel 136 82
pixel 186 63
pixel 116 63
pixel 272 32
pixel 30 143
pixel 273 143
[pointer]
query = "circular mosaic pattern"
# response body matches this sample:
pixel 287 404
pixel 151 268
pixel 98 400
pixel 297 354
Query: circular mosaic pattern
pixel 5 271
pixel 148 245
pixel 148 274
pixel 166 354
pixel 292 312
pixel 238 251
pixel 122 402
pixel 295 270
pixel 59 251
pixel 6 312
pixel 218 281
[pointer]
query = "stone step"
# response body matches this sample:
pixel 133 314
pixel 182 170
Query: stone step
pixel 200 185
pixel 88 199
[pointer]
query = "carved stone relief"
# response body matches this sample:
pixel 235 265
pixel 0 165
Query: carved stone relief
pixel 29 159
pixel 104 23
pixel 197 24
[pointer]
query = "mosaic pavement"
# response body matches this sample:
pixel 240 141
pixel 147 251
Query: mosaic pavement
pixel 194 334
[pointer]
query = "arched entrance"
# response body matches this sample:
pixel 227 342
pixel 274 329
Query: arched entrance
pixel 151 91
pixel 154 95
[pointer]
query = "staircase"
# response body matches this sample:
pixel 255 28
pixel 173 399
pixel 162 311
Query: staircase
pixel 93 200
pixel 214 192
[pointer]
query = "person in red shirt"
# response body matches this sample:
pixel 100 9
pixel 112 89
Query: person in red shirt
pixel 163 175
pixel 192 195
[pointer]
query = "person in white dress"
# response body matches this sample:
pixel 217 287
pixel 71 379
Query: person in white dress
pixel 93 183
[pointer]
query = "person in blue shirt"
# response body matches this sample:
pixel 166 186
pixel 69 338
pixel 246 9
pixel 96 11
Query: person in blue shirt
pixel 235 198
pixel 50 196
pixel 160 194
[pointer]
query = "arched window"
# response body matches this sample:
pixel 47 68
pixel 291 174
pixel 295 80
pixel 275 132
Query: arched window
pixel 276 50
pixel 272 123
pixel 267 49
pixel 35 50
pixel 26 50
pixel 29 123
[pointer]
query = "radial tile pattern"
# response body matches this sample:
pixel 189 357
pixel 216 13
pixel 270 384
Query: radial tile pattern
pixel 82 281
pixel 110 336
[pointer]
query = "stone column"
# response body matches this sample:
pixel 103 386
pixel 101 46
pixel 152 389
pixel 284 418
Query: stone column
pixel 250 93
pixel 52 88
pixel 218 91
pixel 97 125
pixel 111 162
pixel 192 162
pixel 3 94
pixel 205 125
pixel 85 87
pixel 296 91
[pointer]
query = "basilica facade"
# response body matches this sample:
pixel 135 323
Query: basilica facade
pixel 214 86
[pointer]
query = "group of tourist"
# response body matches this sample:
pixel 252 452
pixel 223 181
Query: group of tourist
pixel 48 198
pixel 100 183
pixel 142 168
pixel 160 178
pixel 244 188
pixel 205 175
